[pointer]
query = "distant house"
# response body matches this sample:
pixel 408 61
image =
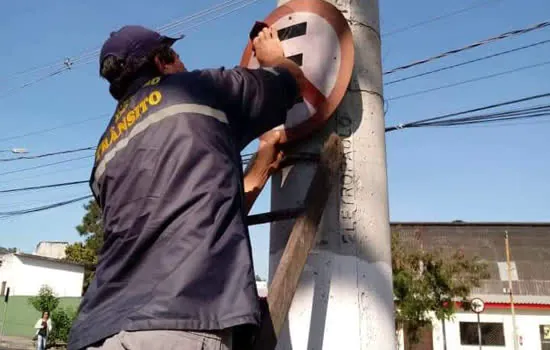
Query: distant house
pixel 24 274
pixel 51 249
pixel 530 274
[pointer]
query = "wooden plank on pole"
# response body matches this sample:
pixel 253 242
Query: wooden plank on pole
pixel 302 238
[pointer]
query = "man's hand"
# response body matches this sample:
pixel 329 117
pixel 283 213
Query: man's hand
pixel 266 161
pixel 269 52
pixel 269 155
pixel 268 47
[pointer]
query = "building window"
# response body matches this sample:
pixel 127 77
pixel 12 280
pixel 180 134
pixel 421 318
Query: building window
pixel 491 334
pixel 3 289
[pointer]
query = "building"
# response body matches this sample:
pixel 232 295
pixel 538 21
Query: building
pixel 24 274
pixel 530 274
pixel 51 249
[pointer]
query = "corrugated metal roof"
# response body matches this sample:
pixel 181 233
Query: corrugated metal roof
pixel 529 246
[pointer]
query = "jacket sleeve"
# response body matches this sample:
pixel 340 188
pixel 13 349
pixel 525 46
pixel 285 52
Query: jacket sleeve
pixel 38 324
pixel 255 100
pixel 49 325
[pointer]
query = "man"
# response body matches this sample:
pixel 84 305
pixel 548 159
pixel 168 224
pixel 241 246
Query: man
pixel 176 271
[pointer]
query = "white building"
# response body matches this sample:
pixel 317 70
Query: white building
pixel 51 249
pixel 25 274
pixel 532 322
pixel 530 276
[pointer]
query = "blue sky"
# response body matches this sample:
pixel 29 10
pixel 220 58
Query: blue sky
pixel 468 173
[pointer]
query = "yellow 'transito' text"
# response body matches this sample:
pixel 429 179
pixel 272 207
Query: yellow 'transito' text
pixel 120 125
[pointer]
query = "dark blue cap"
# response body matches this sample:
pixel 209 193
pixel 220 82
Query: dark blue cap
pixel 133 41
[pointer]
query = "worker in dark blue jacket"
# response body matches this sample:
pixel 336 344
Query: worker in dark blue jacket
pixel 176 271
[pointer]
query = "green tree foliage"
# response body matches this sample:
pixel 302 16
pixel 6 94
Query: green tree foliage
pixel 86 252
pixel 45 300
pixel 430 282
pixel 7 250
pixel 62 320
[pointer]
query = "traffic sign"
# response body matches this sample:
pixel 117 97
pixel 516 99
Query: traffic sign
pixel 316 36
pixel 477 305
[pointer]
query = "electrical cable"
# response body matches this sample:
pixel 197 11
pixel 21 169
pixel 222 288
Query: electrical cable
pixel 57 171
pixel 92 53
pixel 48 154
pixel 7 214
pixel 478 109
pixel 436 18
pixel 43 131
pixel 45 165
pixel 32 188
pixel 543 42
pixel 468 81
pixel 89 57
pixel 471 46
pixel 485 119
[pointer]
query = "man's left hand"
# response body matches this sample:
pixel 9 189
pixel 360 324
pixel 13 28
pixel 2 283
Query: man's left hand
pixel 269 155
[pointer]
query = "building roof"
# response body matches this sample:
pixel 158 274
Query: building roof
pixel 529 248
pixel 467 223
pixel 44 258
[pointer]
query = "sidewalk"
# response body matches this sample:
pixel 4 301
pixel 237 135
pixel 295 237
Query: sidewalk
pixel 16 343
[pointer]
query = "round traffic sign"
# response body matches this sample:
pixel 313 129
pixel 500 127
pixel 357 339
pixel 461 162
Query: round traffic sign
pixel 477 305
pixel 316 36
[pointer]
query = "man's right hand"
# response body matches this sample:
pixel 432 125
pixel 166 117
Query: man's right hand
pixel 268 47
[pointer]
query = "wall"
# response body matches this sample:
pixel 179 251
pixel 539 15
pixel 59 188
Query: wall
pixel 9 264
pixel 51 249
pixel 21 316
pixel 528 322
pixel 28 274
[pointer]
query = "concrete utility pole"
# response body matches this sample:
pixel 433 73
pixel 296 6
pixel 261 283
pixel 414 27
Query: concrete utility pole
pixel 345 297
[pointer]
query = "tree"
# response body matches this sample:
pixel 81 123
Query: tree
pixel 7 250
pixel 45 300
pixel 91 229
pixel 62 321
pixel 429 283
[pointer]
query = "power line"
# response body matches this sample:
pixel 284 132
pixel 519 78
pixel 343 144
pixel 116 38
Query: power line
pixel 471 46
pixel 57 171
pixel 436 18
pixel 45 165
pixel 42 131
pixel 543 42
pixel 20 204
pixel 478 109
pixel 89 57
pixel 7 214
pixel 45 155
pixel 484 77
pixel 62 184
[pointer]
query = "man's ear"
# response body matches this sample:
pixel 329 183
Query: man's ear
pixel 159 64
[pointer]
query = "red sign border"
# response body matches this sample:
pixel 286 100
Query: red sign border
pixel 332 15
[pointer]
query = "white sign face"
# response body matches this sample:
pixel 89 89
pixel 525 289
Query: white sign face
pixel 477 305
pixel 318 51
pixel 316 36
